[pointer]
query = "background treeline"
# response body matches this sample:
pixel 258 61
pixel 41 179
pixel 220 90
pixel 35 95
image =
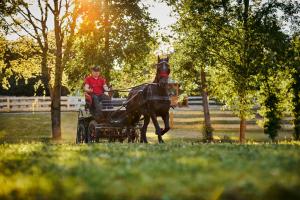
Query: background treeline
pixel 249 53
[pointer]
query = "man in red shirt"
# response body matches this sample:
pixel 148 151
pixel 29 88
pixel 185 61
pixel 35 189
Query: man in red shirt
pixel 96 86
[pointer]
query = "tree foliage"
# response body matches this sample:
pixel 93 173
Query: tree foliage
pixel 112 34
pixel 294 63
pixel 19 61
pixel 116 36
pixel 243 46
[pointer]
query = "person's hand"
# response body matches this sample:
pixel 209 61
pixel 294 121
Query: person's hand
pixel 89 90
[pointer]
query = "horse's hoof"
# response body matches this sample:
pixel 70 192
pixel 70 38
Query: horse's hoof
pixel 160 140
pixel 144 141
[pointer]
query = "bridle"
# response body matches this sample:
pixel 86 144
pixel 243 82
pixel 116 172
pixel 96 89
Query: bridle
pixel 164 66
pixel 163 61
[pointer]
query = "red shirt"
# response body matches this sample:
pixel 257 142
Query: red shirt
pixel 96 84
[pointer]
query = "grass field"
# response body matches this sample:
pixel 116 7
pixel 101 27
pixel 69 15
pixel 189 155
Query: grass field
pixel 176 170
pixel 187 124
pixel 34 167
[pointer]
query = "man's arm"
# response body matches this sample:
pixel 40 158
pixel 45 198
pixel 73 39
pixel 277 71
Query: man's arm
pixel 87 88
pixel 106 89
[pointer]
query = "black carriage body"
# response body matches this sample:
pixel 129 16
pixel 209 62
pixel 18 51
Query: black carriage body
pixel 110 124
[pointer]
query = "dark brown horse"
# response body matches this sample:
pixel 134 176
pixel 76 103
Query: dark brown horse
pixel 150 101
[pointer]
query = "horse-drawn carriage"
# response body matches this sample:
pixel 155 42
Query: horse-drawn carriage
pixel 121 120
pixel 110 124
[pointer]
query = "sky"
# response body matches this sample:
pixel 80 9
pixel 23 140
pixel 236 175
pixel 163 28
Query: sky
pixel 162 12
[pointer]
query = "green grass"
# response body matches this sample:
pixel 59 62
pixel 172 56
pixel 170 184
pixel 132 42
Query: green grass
pixel 34 167
pixel 176 170
pixel 18 127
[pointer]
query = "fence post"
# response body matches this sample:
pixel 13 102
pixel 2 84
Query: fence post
pixel 68 103
pixel 171 119
pixel 37 103
pixel 34 103
pixel 8 104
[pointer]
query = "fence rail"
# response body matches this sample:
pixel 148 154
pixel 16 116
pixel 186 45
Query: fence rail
pixel 68 103
pixel 37 104
pixel 32 104
pixel 198 101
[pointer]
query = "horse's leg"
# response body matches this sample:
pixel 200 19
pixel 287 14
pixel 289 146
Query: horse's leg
pixel 166 122
pixel 144 129
pixel 157 128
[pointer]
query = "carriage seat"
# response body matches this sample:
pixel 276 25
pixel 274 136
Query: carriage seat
pixel 89 102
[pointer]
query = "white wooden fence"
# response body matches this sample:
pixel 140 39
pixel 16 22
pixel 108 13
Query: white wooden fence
pixel 32 104
pixel 68 103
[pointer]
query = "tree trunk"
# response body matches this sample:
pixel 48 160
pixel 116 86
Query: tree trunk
pixel 61 60
pixel 55 113
pixel 207 129
pixel 245 65
pixel 242 129
pixel 56 96
pixel 56 93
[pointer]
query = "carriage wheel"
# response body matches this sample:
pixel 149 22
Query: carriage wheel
pixel 81 133
pixel 111 135
pixel 133 135
pixel 137 134
pixel 91 136
pixel 121 135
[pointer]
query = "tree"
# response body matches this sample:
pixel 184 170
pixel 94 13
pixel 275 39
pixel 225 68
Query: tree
pixel 64 15
pixel 272 77
pixel 64 29
pixel 19 62
pixel 221 27
pixel 24 22
pixel 294 60
pixel 190 69
pixel 3 47
pixel 114 35
pixel 191 59
pixel 235 36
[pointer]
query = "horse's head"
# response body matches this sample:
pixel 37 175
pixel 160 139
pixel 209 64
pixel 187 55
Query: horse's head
pixel 162 71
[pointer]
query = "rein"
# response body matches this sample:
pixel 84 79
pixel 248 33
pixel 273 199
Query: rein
pixel 128 89
pixel 159 98
pixel 124 104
